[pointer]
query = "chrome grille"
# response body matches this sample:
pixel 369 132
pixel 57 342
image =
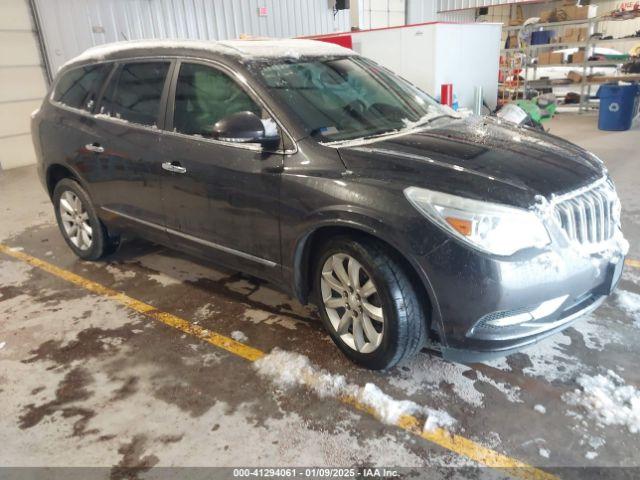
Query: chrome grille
pixel 589 215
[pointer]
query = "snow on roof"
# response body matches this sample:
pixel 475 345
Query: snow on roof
pixel 286 47
pixel 275 48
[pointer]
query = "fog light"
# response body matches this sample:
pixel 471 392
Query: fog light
pixel 543 310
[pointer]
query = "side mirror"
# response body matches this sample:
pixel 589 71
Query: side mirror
pixel 241 127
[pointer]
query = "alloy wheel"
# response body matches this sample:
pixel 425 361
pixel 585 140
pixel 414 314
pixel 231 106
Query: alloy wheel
pixel 75 220
pixel 352 303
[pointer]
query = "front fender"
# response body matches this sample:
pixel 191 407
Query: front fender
pixel 357 220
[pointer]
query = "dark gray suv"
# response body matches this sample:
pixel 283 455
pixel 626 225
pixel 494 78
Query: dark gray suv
pixel 324 173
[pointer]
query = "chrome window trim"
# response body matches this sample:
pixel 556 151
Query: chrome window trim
pixel 207 61
pixel 192 238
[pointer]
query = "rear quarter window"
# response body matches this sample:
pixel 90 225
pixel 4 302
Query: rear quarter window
pixel 80 87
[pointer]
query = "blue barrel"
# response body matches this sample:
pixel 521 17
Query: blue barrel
pixel 618 106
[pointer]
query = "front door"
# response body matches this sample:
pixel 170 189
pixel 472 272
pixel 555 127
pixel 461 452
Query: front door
pixel 220 198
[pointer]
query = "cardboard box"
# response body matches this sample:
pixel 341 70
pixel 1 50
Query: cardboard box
pixel 556 57
pixel 546 15
pixel 543 58
pixel 578 57
pixel 546 58
pixel 512 41
pixel 572 35
pixel 574 76
pixel 574 12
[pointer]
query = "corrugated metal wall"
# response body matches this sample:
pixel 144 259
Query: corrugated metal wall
pixel 71 26
pixel 449 5
pixel 419 11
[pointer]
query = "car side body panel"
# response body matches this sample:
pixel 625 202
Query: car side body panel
pixel 259 211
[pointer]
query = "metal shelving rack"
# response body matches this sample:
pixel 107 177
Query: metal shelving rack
pixel 586 67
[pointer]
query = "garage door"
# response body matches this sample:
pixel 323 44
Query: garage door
pixel 382 13
pixel 22 82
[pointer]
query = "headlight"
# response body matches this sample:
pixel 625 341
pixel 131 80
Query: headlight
pixel 490 227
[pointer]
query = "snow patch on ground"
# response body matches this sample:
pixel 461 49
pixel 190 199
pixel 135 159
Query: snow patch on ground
pixel 590 455
pixel 437 419
pixel 550 361
pixel 239 336
pixel 499 363
pixel 163 279
pixel 119 274
pixel 14 273
pixel 630 303
pixel 540 409
pixel 511 392
pixel 632 275
pixel 426 372
pixel 595 335
pixel 288 369
pixel 204 312
pixel 262 316
pixel 608 399
pixel 544 452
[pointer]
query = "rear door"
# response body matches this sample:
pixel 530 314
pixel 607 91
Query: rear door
pixel 69 131
pixel 223 199
pixel 128 179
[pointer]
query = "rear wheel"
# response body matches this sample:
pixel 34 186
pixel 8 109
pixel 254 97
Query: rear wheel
pixel 79 223
pixel 368 303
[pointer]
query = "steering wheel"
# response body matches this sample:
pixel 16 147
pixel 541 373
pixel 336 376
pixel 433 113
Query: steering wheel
pixel 357 106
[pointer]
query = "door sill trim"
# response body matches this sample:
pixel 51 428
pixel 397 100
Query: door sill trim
pixel 192 238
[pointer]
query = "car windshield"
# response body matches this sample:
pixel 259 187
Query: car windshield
pixel 345 98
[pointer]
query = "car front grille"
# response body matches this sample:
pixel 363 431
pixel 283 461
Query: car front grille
pixel 589 215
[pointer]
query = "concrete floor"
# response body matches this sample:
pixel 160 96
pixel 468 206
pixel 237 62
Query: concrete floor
pixel 85 381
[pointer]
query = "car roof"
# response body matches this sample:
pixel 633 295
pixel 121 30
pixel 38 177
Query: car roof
pixel 242 49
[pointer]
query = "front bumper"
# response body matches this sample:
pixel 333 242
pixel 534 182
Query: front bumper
pixel 489 306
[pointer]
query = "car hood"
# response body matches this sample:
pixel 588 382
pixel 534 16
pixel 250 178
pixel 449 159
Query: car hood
pixel 478 157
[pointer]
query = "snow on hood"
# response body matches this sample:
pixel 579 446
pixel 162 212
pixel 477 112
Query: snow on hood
pixel 275 48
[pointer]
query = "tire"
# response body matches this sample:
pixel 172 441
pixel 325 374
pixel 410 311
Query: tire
pixel 403 326
pixel 95 243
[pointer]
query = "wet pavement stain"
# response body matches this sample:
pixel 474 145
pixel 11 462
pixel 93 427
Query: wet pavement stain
pixel 129 387
pixel 89 343
pixel 171 438
pixel 134 461
pixel 8 292
pixel 72 388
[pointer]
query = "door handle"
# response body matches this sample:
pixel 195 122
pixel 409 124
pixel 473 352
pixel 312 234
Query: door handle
pixel 174 167
pixel 94 147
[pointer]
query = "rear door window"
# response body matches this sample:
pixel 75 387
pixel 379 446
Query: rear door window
pixel 135 92
pixel 80 87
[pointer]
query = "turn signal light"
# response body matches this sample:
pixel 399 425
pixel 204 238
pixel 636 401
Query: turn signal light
pixel 462 226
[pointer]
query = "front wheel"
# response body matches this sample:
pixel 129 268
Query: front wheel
pixel 368 303
pixel 79 223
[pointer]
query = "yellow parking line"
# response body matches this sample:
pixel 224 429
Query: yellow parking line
pixel 632 263
pixel 456 443
pixel 229 344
